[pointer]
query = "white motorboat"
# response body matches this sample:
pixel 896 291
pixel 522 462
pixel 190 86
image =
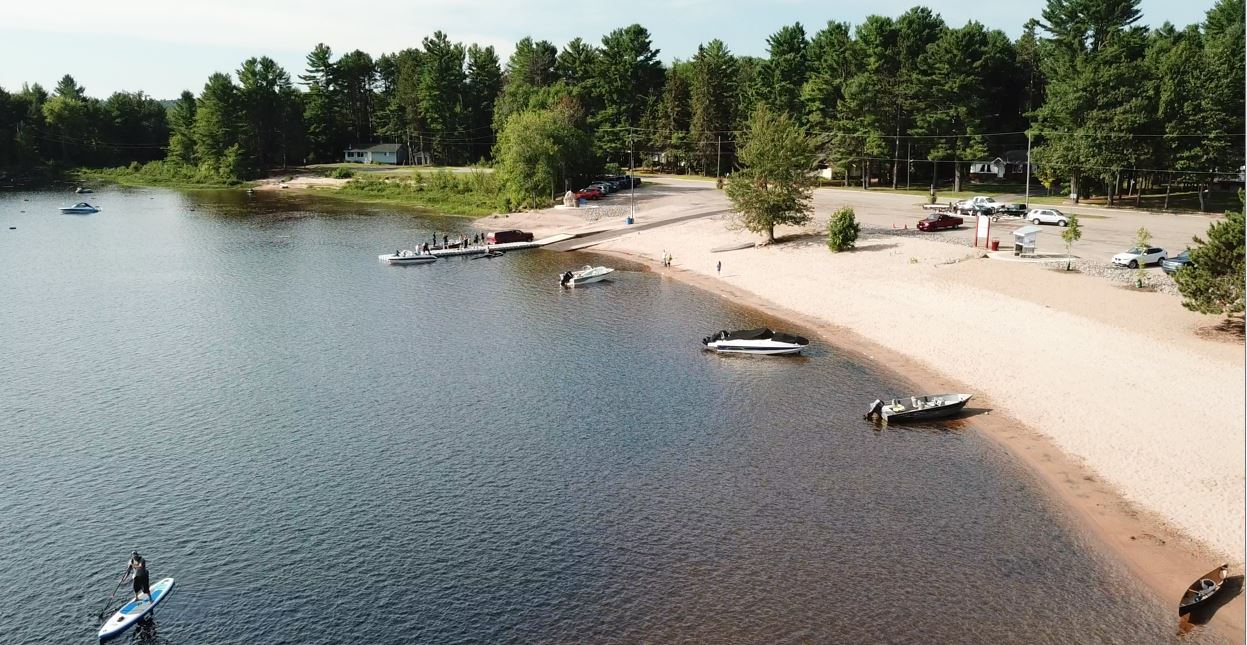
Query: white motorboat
pixel 407 256
pixel 586 275
pixel 755 341
pixel 81 190
pixel 79 209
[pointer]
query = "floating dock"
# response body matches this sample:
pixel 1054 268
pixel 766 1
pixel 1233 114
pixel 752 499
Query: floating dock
pixel 478 249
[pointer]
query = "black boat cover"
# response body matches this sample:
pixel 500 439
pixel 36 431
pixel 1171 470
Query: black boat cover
pixel 762 333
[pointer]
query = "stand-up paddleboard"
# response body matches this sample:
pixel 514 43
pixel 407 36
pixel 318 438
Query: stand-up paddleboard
pixel 135 610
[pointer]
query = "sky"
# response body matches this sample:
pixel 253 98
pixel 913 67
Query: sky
pixel 163 47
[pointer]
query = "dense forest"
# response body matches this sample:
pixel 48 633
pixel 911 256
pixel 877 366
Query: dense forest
pixel 1105 105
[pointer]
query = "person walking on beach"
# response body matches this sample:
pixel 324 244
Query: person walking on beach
pixel 138 571
pixel 718 268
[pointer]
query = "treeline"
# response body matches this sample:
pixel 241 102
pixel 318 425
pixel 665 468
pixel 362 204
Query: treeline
pixel 1106 105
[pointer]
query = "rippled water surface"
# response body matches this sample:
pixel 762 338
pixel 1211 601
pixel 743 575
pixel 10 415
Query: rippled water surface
pixel 324 449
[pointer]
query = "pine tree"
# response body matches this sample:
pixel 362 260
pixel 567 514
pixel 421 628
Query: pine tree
pixel 440 95
pixel 322 109
pixel 712 100
pixel 484 82
pixel 629 79
pixel 1213 282
pixel 182 129
pixel 786 69
pixel 218 126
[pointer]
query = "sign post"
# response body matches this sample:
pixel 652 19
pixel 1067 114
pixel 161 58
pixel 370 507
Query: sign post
pixel 983 230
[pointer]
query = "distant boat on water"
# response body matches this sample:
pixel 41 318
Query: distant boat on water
pixel 407 257
pixel 80 208
pixel 587 275
pixel 82 190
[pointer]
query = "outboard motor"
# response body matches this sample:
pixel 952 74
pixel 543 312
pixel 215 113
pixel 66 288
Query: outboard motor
pixel 567 277
pixel 876 409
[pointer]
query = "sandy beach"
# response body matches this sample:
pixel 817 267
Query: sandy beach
pixel 1129 407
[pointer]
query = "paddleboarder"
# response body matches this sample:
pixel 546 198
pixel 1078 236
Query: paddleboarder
pixel 138 570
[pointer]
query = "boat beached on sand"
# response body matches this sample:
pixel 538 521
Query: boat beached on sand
pixel 1202 590
pixel 755 341
pixel 587 275
pixel 918 408
pixel 81 208
pixel 407 257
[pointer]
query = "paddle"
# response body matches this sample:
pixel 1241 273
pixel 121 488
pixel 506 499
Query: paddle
pixel 114 594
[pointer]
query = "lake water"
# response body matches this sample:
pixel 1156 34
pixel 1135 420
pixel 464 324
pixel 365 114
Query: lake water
pixel 321 448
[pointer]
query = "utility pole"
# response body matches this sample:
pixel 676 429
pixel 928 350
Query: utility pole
pixel 631 175
pixel 1028 169
pixel 718 162
pixel 909 161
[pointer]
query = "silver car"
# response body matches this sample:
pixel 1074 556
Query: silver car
pixel 1047 216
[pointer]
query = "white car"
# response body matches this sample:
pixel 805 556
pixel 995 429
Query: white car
pixel 1047 216
pixel 1136 257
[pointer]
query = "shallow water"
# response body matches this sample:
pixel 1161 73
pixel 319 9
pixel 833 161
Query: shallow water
pixel 324 449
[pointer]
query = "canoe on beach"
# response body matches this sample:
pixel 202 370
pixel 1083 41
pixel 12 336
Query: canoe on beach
pixel 1202 590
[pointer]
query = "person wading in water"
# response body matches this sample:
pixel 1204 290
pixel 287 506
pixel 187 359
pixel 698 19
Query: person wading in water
pixel 138 570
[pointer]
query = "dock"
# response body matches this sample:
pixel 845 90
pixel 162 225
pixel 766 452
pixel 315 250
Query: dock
pixel 478 249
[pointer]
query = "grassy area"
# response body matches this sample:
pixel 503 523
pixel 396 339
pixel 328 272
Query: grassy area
pixel 1184 202
pixel 463 194
pixel 156 173
pixel 385 170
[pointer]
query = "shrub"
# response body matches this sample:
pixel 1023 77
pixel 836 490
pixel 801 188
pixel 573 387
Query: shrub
pixel 340 173
pixel 842 230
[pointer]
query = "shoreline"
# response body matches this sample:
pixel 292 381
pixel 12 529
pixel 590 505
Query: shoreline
pixel 1157 554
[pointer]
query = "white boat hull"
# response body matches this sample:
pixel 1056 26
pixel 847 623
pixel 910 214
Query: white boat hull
pixel 408 259
pixel 760 347
pixel 69 210
pixel 588 275
pixel 135 610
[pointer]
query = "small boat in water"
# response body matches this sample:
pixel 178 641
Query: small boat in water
pixel 82 190
pixel 81 208
pixel 918 408
pixel 755 341
pixel 408 257
pixel 587 275
pixel 490 254
pixel 1203 589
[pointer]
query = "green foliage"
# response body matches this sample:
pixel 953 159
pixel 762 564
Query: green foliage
pixel 340 173
pixel 537 154
pixel 160 173
pixel 1213 282
pixel 1142 240
pixel 712 103
pixel 786 70
pixel 1071 234
pixel 842 230
pixel 629 78
pixel 471 194
pixel 775 185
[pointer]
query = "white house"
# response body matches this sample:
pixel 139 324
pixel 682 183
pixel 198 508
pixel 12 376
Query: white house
pixel 392 153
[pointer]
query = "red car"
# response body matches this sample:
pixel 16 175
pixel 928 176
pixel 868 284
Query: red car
pixel 937 221
pixel 589 193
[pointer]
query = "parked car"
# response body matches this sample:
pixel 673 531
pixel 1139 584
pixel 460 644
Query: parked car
pixel 589 193
pixel 503 237
pixel 937 221
pixel 1047 216
pixel 1135 257
pixel 604 186
pixel 977 204
pixel 1174 264
pixel 1012 210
